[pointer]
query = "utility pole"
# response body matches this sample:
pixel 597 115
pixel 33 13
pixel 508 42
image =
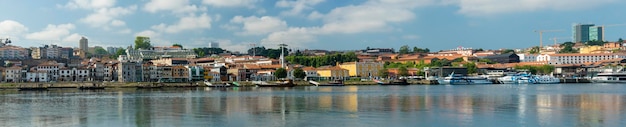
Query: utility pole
pixel 253 49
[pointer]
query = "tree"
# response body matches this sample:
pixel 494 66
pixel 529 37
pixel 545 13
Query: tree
pixel 404 49
pixel 420 50
pixel 567 47
pixel 299 73
pixel 508 51
pixel 383 73
pixel 280 73
pixel 118 53
pixel 100 51
pixel 534 50
pixel 471 67
pixel 208 51
pixel 177 45
pixel 403 71
pixel 142 42
pixel 620 40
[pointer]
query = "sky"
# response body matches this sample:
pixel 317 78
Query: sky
pixel 306 24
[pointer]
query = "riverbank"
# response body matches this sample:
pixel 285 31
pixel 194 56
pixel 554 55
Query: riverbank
pixel 150 84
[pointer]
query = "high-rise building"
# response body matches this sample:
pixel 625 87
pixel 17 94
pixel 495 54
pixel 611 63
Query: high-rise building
pixel 580 32
pixel 213 45
pixel 595 33
pixel 84 44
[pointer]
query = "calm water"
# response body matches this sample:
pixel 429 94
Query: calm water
pixel 480 105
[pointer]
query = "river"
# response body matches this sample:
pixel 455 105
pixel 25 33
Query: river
pixel 350 106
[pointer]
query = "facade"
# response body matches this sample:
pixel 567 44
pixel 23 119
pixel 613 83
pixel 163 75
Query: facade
pixel 527 57
pixel 113 50
pixel 362 69
pixel 180 74
pixel 83 44
pixel 13 74
pixel 13 52
pixel 574 58
pixel 127 71
pixel 504 58
pixel 74 74
pixel 595 33
pixel 52 68
pixel 331 73
pixel 590 49
pixel 38 53
pixel 66 53
pixel 37 76
pixel 580 32
pixel 311 73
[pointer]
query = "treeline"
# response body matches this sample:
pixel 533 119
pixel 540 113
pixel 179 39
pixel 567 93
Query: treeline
pixel 317 61
pixel 208 51
pixel 267 52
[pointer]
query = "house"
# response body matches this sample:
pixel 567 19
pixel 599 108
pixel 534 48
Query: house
pixel 504 58
pixel 362 69
pixel 575 58
pixel 13 74
pixel 37 76
pixel 333 72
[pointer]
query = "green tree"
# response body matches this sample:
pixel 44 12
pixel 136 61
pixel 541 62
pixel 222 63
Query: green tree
pixel 508 51
pixel 280 73
pixel 100 51
pixel 403 71
pixel 534 50
pixel 383 73
pixel 471 67
pixel 142 42
pixel 299 73
pixel 118 53
pixel 620 40
pixel 404 50
pixel 208 51
pixel 420 50
pixel 177 45
pixel 567 47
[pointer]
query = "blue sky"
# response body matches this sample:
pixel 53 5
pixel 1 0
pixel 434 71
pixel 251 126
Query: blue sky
pixel 306 24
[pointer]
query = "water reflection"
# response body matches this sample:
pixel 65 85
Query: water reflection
pixel 488 105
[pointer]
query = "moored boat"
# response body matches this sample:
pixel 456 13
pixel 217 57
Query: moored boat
pixel 336 82
pixel 394 82
pixel 280 83
pixel 209 84
pixel 547 79
pixel 453 79
pixel 610 77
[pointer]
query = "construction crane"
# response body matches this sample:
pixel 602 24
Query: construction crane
pixel 611 25
pixel 541 36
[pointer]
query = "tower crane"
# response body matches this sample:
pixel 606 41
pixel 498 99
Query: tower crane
pixel 541 36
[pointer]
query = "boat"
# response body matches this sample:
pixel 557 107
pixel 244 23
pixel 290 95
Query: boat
pixel 150 86
pixel 336 82
pixel 393 82
pixel 91 87
pixel 279 83
pixel 209 84
pixel 518 79
pixel 610 77
pixel 547 79
pixel 453 79
pixel 38 87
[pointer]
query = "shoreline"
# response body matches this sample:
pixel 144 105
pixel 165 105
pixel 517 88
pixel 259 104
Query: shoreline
pixel 158 85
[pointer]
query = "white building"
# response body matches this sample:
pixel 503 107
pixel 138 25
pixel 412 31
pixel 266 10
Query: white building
pixel 74 74
pixel 52 52
pixel 51 67
pixel 13 74
pixel 525 57
pixel 37 76
pixel 214 45
pixel 13 52
pixel 575 58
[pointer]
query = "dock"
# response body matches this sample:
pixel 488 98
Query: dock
pixel 37 87
pixel 93 86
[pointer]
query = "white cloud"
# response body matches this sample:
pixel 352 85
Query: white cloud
pixel 10 28
pixel 186 23
pixel 72 38
pixel 297 6
pixel 496 7
pixel 176 6
pixel 260 25
pixel 107 17
pixel 370 16
pixel 148 33
pixel 89 4
pixel 52 32
pixel 230 3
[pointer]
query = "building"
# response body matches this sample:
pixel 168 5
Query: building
pixel 83 44
pixel 332 73
pixel 113 50
pixel 13 74
pixel 51 67
pixel 74 74
pixel 580 32
pixel 13 52
pixel 504 58
pixel 590 49
pixel 527 57
pixel 575 58
pixel 362 69
pixel 129 71
pixel 37 76
pixel 595 33
pixel 214 45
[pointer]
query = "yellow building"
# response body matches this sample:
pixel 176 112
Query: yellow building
pixel 590 49
pixel 362 69
pixel 334 72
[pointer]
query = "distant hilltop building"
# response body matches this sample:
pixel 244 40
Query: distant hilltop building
pixel 158 53
pixel 586 32
pixel 83 44
pixel 214 45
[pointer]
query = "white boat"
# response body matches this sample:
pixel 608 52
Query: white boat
pixel 610 77
pixel 462 80
pixel 546 79
pixel 517 79
pixel 209 84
